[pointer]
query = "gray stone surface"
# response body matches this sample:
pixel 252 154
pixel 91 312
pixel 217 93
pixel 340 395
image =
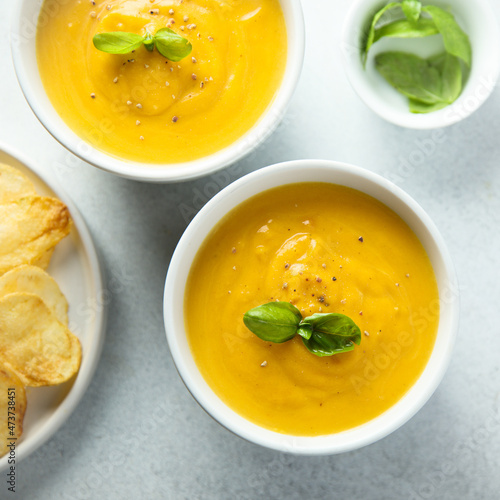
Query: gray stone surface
pixel 139 434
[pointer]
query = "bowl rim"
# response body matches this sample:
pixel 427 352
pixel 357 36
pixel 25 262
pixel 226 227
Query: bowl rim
pixel 262 180
pixel 41 106
pixel 450 115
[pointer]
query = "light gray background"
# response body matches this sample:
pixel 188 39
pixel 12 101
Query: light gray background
pixel 139 434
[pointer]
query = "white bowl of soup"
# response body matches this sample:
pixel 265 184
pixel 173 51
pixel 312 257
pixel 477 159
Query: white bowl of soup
pixel 141 115
pixel 328 238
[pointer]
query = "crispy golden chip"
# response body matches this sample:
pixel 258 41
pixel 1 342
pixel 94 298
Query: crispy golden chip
pixel 13 184
pixel 29 227
pixel 33 343
pixel 32 279
pixel 12 409
pixel 44 260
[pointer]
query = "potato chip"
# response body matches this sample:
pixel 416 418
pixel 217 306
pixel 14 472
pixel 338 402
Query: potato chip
pixel 13 184
pixel 12 409
pixel 33 343
pixel 32 279
pixel 29 227
pixel 44 260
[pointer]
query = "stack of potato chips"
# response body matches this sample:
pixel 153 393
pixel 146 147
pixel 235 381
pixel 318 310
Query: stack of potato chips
pixel 36 346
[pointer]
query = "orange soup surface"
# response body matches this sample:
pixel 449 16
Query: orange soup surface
pixel 141 106
pixel 324 248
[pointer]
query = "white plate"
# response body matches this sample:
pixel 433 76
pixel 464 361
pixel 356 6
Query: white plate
pixel 75 267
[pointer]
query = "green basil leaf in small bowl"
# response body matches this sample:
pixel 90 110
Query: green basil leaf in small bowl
pixel 412 9
pixel 456 41
pixel 376 18
pixel 403 28
pixel 411 75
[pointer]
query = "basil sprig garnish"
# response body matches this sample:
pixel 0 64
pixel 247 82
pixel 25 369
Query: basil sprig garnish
pixel 432 83
pixel 167 42
pixel 322 334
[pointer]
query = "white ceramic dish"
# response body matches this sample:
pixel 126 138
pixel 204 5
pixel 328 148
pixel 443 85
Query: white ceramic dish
pixel 23 38
pixel 76 268
pixel 478 21
pixel 306 171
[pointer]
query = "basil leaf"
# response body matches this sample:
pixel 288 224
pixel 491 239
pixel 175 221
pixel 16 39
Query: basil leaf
pixel 171 45
pixel 274 321
pixel 406 29
pixel 412 9
pixel 451 73
pixel 456 42
pixel 149 42
pixel 331 334
pixel 322 345
pixel 437 61
pixel 411 75
pixel 452 78
pixel 305 331
pixel 117 42
pixel 419 107
pixel 376 18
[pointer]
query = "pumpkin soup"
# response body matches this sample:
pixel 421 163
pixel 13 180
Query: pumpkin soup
pixel 325 249
pixel 141 106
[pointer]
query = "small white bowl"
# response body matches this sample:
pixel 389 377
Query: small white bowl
pixel 307 171
pixel 475 17
pixel 23 42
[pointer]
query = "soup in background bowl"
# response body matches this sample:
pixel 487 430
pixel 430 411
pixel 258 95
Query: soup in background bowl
pixel 142 115
pixel 327 238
